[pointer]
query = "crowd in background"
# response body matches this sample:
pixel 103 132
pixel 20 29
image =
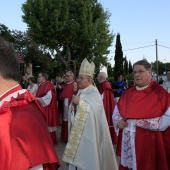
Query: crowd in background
pixel 136 118
pixel 63 88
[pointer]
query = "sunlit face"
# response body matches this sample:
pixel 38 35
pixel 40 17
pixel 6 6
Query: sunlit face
pixel 83 81
pixel 142 77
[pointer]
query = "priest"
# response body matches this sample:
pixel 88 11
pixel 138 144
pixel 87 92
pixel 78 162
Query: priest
pixel 143 113
pixel 47 97
pixel 106 92
pixel 89 146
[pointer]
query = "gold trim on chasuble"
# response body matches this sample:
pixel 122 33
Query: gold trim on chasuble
pixel 76 132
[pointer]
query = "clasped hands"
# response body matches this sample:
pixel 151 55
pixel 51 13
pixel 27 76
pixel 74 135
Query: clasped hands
pixel 75 99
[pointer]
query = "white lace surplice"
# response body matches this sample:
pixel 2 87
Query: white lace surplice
pixel 128 154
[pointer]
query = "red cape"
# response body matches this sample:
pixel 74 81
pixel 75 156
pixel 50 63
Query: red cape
pixel 51 111
pixel 152 148
pixel 67 92
pixel 24 138
pixel 136 104
pixel 109 105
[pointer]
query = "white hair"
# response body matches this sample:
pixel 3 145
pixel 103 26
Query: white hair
pixel 103 74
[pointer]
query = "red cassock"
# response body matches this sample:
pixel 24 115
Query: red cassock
pixel 24 138
pixel 109 105
pixel 67 92
pixel 152 147
pixel 51 111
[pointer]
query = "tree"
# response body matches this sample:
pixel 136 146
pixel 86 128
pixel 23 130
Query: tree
pixel 35 54
pixel 118 69
pixel 161 67
pixel 22 42
pixel 130 68
pixel 70 29
pixel 5 33
pixel 126 66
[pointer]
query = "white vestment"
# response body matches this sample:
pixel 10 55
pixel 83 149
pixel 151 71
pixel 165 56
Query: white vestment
pixel 89 146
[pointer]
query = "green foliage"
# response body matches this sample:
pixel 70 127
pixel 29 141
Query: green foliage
pixel 110 70
pixel 130 78
pixel 126 68
pixel 5 33
pixel 162 67
pixel 118 69
pixel 130 68
pixel 70 29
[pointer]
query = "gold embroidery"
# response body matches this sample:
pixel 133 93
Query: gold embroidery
pixel 76 132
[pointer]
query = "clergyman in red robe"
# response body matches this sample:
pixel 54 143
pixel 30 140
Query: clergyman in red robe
pixel 105 90
pixel 47 97
pixel 66 94
pixel 143 115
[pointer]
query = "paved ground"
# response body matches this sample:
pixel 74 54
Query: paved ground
pixel 60 149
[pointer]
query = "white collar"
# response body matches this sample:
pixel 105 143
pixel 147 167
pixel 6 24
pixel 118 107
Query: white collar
pixel 15 94
pixel 141 88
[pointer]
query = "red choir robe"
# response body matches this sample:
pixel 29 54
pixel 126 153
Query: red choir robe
pixel 152 147
pixel 67 93
pixel 109 105
pixel 51 110
pixel 24 138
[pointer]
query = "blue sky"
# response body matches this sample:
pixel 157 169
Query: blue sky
pixel 139 22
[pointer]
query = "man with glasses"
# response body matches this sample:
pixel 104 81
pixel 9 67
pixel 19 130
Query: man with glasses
pixel 143 113
pixel 66 94
pixel 89 146
pixel 46 95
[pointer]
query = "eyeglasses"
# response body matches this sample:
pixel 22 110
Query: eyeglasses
pixel 140 72
pixel 67 75
pixel 82 78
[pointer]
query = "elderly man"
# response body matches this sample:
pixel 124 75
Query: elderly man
pixel 106 92
pixel 25 142
pixel 89 146
pixel 143 113
pixel 46 96
pixel 66 94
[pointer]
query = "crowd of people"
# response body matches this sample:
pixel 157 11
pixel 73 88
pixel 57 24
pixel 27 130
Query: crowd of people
pixel 132 118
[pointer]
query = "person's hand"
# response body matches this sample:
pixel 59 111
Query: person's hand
pixel 122 124
pixel 75 99
pixel 59 86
